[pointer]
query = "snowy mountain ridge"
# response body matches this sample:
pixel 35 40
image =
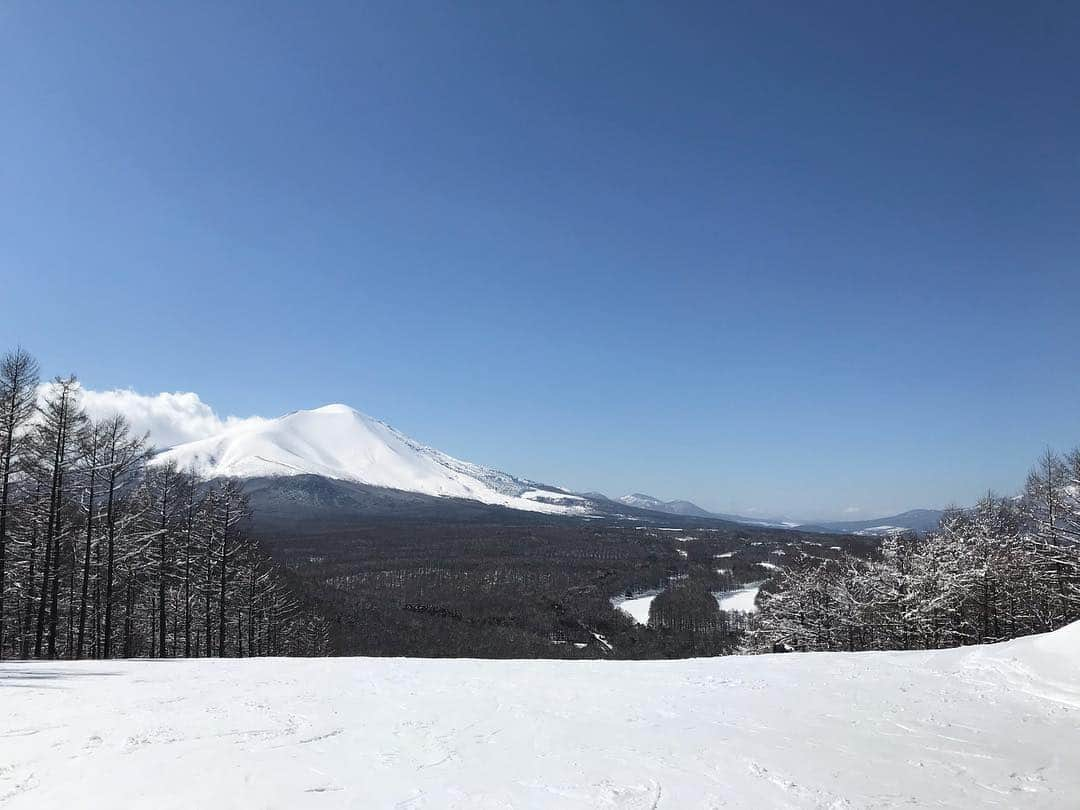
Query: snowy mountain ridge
pixel 642 501
pixel 339 442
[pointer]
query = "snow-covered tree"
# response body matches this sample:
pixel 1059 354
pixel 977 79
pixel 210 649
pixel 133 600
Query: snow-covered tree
pixel 104 554
pixel 18 390
pixel 1004 568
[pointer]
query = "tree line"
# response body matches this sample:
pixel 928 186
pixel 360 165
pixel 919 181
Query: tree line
pixel 104 554
pixel 1005 568
pixel 689 621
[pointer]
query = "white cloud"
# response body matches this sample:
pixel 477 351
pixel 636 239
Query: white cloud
pixel 852 510
pixel 169 418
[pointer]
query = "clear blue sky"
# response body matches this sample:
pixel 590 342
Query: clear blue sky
pixel 794 257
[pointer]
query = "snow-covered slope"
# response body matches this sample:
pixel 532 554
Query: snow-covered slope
pixel 642 501
pixel 336 441
pixel 995 726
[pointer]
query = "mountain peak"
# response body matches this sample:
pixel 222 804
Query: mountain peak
pixel 334 407
pixel 339 442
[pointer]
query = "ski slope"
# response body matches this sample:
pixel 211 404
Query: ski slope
pixel 994 726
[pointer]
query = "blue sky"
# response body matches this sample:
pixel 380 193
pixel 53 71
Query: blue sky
pixel 801 260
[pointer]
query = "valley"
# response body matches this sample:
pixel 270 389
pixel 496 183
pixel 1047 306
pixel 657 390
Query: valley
pixel 541 590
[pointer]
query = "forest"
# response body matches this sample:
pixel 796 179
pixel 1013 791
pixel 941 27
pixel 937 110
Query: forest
pixel 419 588
pixel 1007 567
pixel 104 555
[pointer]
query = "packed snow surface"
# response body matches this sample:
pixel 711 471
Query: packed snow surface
pixel 742 599
pixel 994 726
pixel 637 606
pixel 336 441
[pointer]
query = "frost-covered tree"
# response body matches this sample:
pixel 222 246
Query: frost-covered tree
pixel 55 441
pixel 124 457
pixel 1004 568
pixel 100 549
pixel 18 390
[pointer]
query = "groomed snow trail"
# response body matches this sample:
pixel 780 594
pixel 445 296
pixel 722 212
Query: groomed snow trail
pixel 979 727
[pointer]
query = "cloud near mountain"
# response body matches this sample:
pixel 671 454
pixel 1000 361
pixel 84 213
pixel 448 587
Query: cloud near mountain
pixel 170 418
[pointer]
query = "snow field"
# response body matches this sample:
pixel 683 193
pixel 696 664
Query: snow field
pixel 995 726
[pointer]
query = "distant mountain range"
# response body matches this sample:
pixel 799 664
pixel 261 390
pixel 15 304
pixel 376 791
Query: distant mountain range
pixel 656 505
pixel 335 462
pixel 918 520
pixel 687 508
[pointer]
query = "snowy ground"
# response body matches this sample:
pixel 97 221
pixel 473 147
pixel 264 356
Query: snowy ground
pixel 980 727
pixel 637 606
pixel 742 599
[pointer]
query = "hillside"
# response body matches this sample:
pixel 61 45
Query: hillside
pixel 803 730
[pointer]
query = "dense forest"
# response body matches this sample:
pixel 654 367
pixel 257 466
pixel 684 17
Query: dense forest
pixel 103 555
pixel 419 588
pixel 1005 568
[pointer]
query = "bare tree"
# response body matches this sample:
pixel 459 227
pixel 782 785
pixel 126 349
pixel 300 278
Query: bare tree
pixel 165 485
pixel 233 508
pixel 93 444
pixel 18 390
pixel 123 456
pixel 55 437
pixel 89 525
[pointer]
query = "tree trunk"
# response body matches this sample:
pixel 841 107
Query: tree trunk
pixel 86 557
pixel 224 569
pixel 162 545
pixel 5 479
pixel 110 564
pixel 29 595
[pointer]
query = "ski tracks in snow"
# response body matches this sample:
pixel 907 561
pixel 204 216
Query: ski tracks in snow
pixel 957 729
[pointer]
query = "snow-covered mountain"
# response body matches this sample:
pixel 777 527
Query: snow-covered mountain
pixel 340 443
pixel 641 501
pixel 337 460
